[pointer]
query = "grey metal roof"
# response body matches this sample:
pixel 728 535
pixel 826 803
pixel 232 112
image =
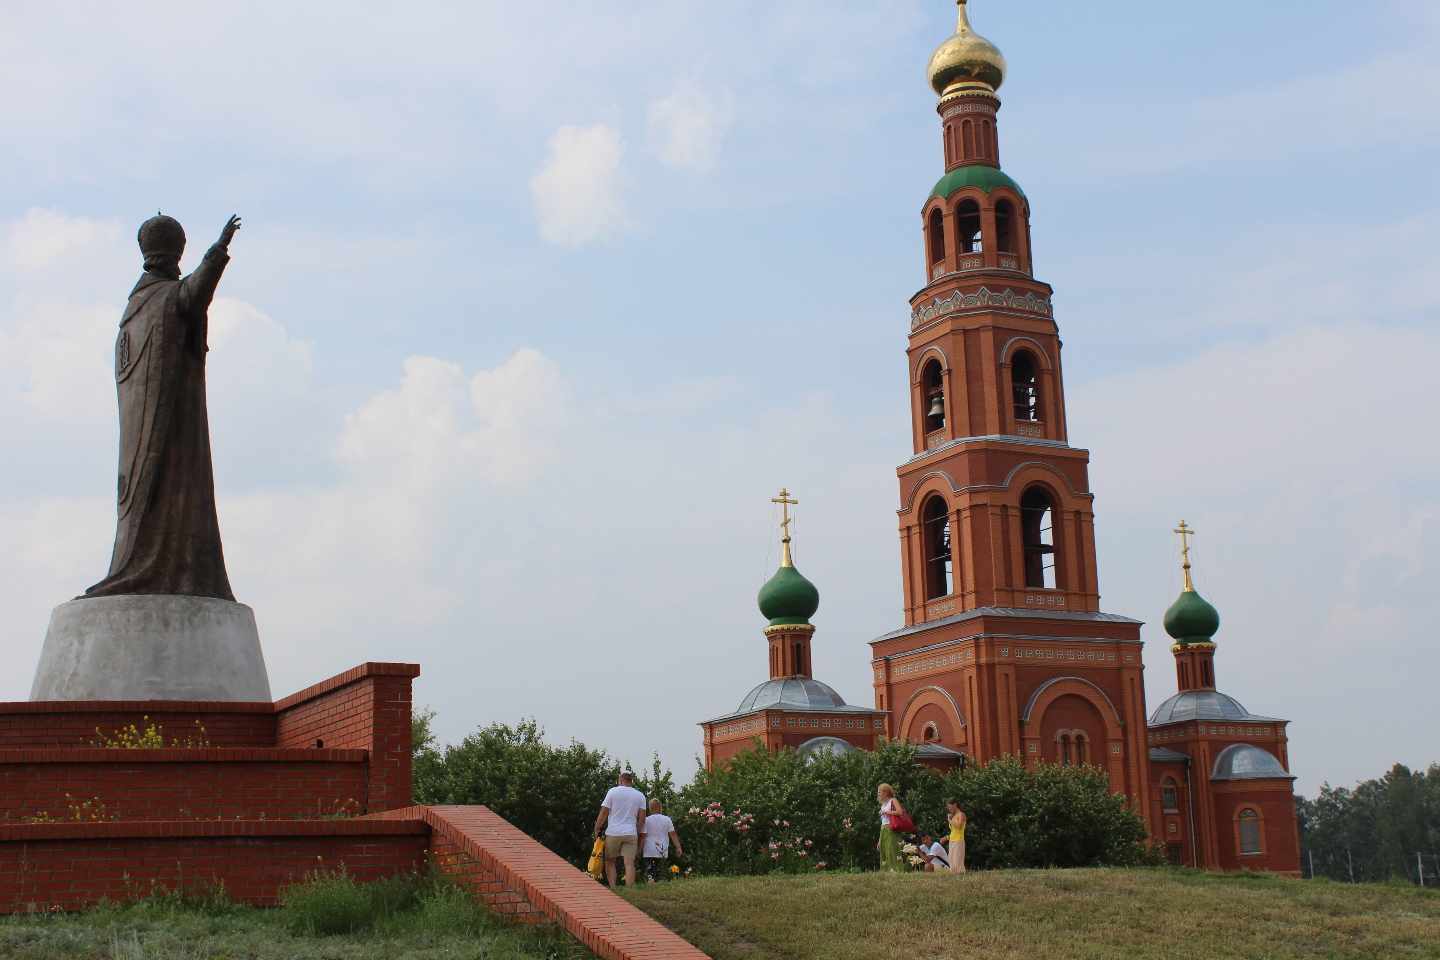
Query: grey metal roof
pixel 1165 753
pixel 936 750
pixel 1203 705
pixel 1017 612
pixel 824 745
pixel 797 694
pixel 1245 761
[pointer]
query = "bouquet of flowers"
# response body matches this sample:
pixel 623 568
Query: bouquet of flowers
pixel 912 855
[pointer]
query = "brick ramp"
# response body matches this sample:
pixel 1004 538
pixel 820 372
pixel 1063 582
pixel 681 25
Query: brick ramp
pixel 588 910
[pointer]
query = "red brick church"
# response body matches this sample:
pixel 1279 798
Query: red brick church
pixel 1004 648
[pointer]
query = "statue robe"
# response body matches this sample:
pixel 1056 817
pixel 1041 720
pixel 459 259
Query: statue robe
pixel 167 540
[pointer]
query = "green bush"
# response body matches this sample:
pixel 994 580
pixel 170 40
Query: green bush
pixel 328 904
pixel 779 813
pixel 551 793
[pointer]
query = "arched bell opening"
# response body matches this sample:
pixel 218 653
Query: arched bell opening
pixel 967 226
pixel 932 381
pixel 1025 387
pixel 935 530
pixel 1037 525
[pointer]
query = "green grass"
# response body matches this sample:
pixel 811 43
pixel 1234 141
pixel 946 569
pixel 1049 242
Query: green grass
pixel 328 918
pixel 1104 914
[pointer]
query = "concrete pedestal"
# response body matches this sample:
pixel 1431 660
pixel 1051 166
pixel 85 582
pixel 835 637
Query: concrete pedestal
pixel 151 647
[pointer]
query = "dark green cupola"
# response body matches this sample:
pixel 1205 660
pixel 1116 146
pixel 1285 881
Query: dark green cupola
pixel 788 598
pixel 1190 619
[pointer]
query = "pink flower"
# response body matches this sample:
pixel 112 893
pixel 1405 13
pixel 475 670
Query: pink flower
pixel 774 856
pixel 787 823
pixel 809 843
pixel 821 865
pixel 746 827
pixel 804 853
pixel 777 823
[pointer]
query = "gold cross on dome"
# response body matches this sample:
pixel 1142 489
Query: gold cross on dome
pixel 785 505
pixel 1185 534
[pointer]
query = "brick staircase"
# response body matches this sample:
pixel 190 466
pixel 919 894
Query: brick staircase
pixel 256 795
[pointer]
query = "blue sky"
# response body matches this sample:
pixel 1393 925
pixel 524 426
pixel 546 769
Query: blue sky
pixel 536 306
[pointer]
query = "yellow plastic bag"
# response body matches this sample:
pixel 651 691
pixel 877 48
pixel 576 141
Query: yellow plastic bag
pixel 597 859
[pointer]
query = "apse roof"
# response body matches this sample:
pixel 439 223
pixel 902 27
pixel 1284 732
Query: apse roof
pixel 1245 761
pixel 1203 705
pixel 824 745
pixel 794 693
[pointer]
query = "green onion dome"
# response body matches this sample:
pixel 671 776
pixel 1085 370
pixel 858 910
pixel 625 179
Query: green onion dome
pixel 787 597
pixel 1191 619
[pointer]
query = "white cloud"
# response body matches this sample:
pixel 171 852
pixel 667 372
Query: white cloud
pixel 577 195
pixel 45 238
pixel 685 128
pixel 1302 461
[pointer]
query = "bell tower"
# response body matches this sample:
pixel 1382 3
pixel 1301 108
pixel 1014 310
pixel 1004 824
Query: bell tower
pixel 997 540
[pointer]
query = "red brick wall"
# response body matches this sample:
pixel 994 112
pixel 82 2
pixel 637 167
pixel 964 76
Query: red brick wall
pixel 181 784
pixel 69 723
pixel 70 866
pixel 367 708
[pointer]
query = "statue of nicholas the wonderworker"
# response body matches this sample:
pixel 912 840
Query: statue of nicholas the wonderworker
pixel 168 538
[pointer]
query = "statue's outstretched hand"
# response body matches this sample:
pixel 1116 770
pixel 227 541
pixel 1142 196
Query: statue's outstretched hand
pixel 229 231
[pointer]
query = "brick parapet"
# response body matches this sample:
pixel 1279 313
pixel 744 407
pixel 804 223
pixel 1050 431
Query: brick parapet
pixel 594 915
pixel 70 866
pixel 367 708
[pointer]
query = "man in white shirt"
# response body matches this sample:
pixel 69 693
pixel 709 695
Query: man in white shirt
pixel 623 814
pixel 659 834
pixel 936 858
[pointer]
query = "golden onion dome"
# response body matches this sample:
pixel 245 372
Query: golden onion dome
pixel 965 58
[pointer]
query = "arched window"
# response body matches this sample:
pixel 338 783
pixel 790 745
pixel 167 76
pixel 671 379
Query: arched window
pixel 967 226
pixel 967 130
pixel 1062 752
pixel 936 532
pixel 933 382
pixel 1207 679
pixel 1250 831
pixel 1005 226
pixel 937 236
pixel 1184 675
pixel 1023 387
pixel 1169 795
pixel 987 133
pixel 799 659
pixel 930 734
pixel 1037 522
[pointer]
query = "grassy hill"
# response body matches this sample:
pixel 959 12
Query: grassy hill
pixel 1051 914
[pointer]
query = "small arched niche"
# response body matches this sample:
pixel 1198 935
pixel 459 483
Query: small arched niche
pixel 935 531
pixel 1025 387
pixel 932 381
pixel 967 226
pixel 1037 524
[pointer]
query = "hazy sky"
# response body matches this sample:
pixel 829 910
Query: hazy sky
pixel 537 305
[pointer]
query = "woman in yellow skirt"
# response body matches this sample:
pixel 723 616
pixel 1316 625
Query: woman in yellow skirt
pixel 889 845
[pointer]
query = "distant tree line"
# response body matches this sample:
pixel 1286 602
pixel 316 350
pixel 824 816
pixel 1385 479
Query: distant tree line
pixel 764 812
pixel 1383 829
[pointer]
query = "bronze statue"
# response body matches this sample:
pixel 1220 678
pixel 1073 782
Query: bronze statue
pixel 167 540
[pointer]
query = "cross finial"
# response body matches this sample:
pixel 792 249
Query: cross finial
pixel 785 504
pixel 1185 534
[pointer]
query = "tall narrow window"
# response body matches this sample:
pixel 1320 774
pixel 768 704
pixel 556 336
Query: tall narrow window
pixel 799 660
pixel 1036 521
pixel 1169 796
pixel 987 134
pixel 1207 679
pixel 1023 388
pixel 1249 831
pixel 936 531
pixel 967 226
pixel 1064 750
pixel 1005 226
pixel 967 138
pixel 937 237
pixel 933 382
